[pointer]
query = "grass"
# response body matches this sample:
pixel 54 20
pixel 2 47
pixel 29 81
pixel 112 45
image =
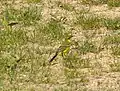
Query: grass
pixel 26 47
pixel 116 50
pixel 26 15
pixel 113 41
pixel 73 61
pixel 112 24
pixel 34 1
pixel 115 67
pixel 54 28
pixel 113 3
pixel 87 47
pixel 110 3
pixel 65 6
pixel 94 2
pixel 89 21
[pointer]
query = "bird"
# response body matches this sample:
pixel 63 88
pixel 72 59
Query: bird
pixel 63 48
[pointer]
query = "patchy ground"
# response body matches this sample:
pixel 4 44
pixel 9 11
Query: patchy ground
pixel 31 31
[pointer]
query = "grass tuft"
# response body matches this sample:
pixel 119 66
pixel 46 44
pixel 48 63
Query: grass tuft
pixel 54 29
pixel 26 15
pixel 94 2
pixel 112 24
pixel 87 47
pixel 34 1
pixel 112 39
pixel 113 3
pixel 88 22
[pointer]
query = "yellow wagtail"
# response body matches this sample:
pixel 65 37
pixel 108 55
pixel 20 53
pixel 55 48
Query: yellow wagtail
pixel 64 48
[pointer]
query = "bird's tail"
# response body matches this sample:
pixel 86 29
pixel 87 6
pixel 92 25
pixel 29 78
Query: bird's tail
pixel 53 57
